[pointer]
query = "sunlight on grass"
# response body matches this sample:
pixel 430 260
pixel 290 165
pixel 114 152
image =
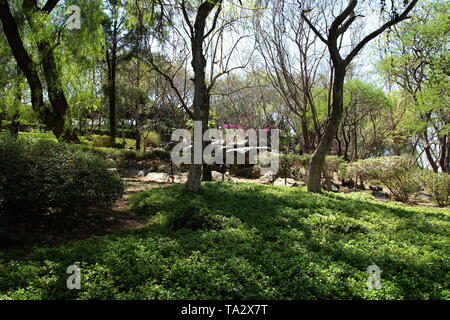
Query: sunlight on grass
pixel 267 243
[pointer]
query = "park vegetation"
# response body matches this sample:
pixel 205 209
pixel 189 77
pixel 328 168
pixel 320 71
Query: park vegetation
pixel 358 89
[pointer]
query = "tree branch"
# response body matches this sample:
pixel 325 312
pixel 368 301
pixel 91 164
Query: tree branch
pixel 313 28
pixel 379 31
pixel 50 5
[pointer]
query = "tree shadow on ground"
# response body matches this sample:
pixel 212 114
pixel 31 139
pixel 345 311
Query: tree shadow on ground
pixel 282 244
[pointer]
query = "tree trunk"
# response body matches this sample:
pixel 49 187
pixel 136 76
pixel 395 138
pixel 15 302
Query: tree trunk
pixel 22 57
pixel 112 98
pixel 331 128
pixel 53 118
pixel 201 94
pixel 428 154
pixel 55 93
pixel 207 172
pixel 137 133
pixel 307 143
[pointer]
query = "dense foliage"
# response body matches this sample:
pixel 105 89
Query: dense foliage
pixel 43 176
pixel 274 243
pixel 297 166
pixel 399 174
pixel 439 186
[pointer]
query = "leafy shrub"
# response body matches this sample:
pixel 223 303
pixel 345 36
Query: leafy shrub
pixel 193 216
pixel 120 155
pixel 331 166
pixel 399 174
pixel 101 141
pixel 156 154
pixel 187 212
pixel 118 145
pixel 298 166
pixel 276 243
pixel 438 184
pixel 151 139
pixel 42 176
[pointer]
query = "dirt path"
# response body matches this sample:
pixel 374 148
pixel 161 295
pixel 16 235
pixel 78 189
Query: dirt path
pixel 121 211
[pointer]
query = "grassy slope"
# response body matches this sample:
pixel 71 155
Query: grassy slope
pixel 278 243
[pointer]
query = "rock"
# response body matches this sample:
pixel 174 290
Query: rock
pixel 335 187
pixel 381 194
pixel 141 174
pixel 375 188
pixel 268 178
pixel 348 183
pixel 360 187
pixel 112 169
pixel 160 177
pixel 289 182
pixel 163 168
pixel 217 176
pixel 253 172
pixel 181 177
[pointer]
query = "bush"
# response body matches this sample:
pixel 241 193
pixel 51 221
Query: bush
pixel 399 174
pixel 298 166
pixel 101 141
pixel 438 184
pixel 43 176
pixel 151 139
pixel 186 212
pixel 193 216
pixel 276 243
pixel 157 154
pixel 332 165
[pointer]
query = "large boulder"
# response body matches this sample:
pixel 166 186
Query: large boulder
pixel 159 177
pixel 333 187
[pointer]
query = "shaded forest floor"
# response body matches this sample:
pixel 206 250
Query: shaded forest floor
pixel 266 242
pixel 52 230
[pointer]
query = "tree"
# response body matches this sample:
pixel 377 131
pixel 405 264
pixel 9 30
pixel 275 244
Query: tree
pixel 116 41
pixel 292 59
pixel 362 130
pixel 333 40
pixel 417 62
pixel 199 36
pixel 53 118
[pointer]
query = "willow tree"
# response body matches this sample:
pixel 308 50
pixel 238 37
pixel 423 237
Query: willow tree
pixel 340 16
pixel 49 54
pixel 53 118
